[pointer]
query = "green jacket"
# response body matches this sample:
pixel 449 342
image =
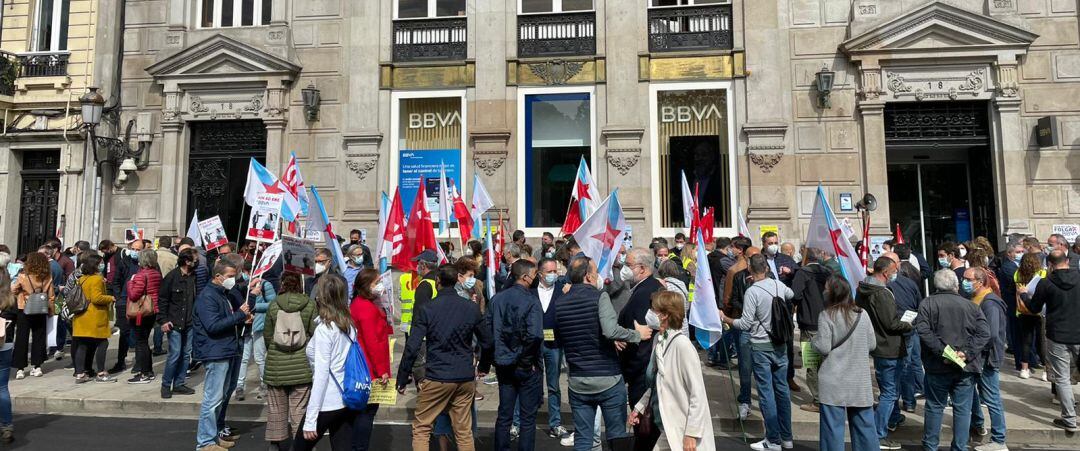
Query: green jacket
pixel 288 368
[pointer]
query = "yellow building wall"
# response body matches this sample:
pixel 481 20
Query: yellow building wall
pixel 52 92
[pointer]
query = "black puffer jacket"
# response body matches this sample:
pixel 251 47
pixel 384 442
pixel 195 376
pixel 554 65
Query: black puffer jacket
pixel 809 300
pixel 1060 293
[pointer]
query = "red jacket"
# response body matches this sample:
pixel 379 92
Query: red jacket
pixel 373 334
pixel 146 281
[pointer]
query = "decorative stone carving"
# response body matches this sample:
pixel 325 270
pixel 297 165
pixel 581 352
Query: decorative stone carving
pixel 623 160
pixel 938 83
pixel 556 72
pixel 871 84
pixel 489 161
pixel 1007 80
pixel 363 164
pixel 254 105
pixel 197 105
pixel 766 162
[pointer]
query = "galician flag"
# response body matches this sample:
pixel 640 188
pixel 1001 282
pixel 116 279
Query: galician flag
pixel 583 199
pixel 481 203
pixel 826 233
pixel 384 211
pixel 444 204
pixel 319 220
pixel 601 235
pixel 490 258
pixel 704 315
pixel 260 180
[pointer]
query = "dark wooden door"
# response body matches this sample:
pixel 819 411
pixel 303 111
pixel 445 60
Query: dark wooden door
pixel 39 198
pixel 218 165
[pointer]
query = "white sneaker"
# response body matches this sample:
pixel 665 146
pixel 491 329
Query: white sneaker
pixel 567 441
pixel 514 433
pixel 20 375
pixel 744 411
pixel 59 355
pixel 765 445
pixel 787 444
pixel 1025 373
pixel 992 447
pixel 36 372
pixel 1044 378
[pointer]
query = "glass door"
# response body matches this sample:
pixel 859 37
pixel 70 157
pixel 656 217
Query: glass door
pixel 932 204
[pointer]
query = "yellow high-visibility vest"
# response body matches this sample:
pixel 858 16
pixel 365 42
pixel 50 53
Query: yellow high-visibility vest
pixel 408 297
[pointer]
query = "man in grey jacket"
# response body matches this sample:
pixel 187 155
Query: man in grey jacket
pixel 947 321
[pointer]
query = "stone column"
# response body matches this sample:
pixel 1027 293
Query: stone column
pixel 173 165
pixel 1008 159
pixel 875 171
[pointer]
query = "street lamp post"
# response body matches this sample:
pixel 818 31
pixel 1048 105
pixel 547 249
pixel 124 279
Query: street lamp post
pixel 92 106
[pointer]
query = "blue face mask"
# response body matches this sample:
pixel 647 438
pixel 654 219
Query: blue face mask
pixel 1018 257
pixel 101 267
pixel 134 254
pixel 469 283
pixel 549 279
pixel 358 259
pixel 943 262
pixel 892 277
pixel 967 286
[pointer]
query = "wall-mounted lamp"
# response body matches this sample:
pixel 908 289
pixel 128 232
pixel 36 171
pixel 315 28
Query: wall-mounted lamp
pixel 312 100
pixel 824 83
pixel 116 152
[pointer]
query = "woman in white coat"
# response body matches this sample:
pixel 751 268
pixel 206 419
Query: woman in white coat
pixel 676 396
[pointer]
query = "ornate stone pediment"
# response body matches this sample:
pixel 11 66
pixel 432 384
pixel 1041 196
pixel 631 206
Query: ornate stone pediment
pixel 222 56
pixel 941 27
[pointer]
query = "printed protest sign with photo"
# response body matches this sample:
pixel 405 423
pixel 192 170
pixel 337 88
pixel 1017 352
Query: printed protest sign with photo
pixel 133 234
pixel 267 260
pixel 265 218
pixel 213 233
pixel 299 255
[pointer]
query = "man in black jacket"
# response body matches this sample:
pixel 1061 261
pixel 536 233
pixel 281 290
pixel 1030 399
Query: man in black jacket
pixel 447 325
pixel 124 265
pixel 1060 293
pixel 948 321
pixel 809 287
pixel 175 301
pixel 908 294
pixel 635 358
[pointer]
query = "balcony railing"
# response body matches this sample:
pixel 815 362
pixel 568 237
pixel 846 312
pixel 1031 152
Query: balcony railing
pixel 430 40
pixel 560 34
pixel 43 64
pixel 691 28
pixel 9 71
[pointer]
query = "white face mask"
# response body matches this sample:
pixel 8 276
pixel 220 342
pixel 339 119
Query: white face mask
pixel 320 268
pixel 963 252
pixel 229 283
pixel 652 320
pixel 468 252
pixel 626 273
pixel 772 249
pixel 599 283
pixel 379 289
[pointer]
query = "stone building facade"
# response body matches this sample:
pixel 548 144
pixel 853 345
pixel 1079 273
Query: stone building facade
pixel 934 108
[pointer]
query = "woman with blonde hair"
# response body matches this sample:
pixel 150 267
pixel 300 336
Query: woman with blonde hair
pixel 30 328
pixel 676 395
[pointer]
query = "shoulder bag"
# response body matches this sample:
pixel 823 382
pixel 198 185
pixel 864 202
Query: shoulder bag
pixel 854 326
pixel 143 307
pixel 38 301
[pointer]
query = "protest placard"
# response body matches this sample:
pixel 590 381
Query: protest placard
pixel 213 233
pixel 299 255
pixel 265 218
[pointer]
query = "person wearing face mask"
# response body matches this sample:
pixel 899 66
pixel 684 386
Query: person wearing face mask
pixel 622 280
pixel 323 262
pixel 676 392
pixel 873 296
pixel 175 303
pixel 993 355
pixel 635 358
pixel 354 240
pixel 123 267
pixel 680 243
pixel 781 267
pixel 469 286
pixel 907 296
pixel 948 257
pixel 549 289
pixel 354 263
pixel 589 334
pixel 517 318
pixel 90 329
pixel 216 344
pixel 1006 276
pixel 547 245
pixel 374 338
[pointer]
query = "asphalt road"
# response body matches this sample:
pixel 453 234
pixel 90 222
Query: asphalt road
pixel 49 432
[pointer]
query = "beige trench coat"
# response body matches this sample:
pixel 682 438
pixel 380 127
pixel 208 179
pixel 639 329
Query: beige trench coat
pixel 684 408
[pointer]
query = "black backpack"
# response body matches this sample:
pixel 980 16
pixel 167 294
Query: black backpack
pixel 783 328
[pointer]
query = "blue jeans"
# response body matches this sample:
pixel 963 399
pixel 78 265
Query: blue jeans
pixel 746 365
pixel 230 387
pixel 176 364
pixel 159 338
pixel 217 372
pixel 989 393
pixel 911 374
pixel 5 395
pixel 611 402
pixel 860 421
pixel 939 388
pixel 888 378
pixel 552 360
pixel 518 385
pixel 770 374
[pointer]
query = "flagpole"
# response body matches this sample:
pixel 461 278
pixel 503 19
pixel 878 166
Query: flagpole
pixel 240 230
pixel 254 264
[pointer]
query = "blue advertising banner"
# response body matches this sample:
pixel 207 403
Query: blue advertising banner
pixel 416 164
pixel 963 224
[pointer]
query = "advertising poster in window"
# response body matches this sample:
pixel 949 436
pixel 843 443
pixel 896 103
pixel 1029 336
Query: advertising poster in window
pixel 558 134
pixel 430 138
pixel 693 138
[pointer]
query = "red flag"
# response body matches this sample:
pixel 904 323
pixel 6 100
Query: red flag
pixel 899 235
pixel 864 253
pixel 573 219
pixel 464 218
pixel 708 222
pixel 393 245
pixel 419 233
pixel 500 242
pixel 695 223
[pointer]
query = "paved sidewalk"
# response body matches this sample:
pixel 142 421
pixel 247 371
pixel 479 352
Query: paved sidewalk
pixel 1027 403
